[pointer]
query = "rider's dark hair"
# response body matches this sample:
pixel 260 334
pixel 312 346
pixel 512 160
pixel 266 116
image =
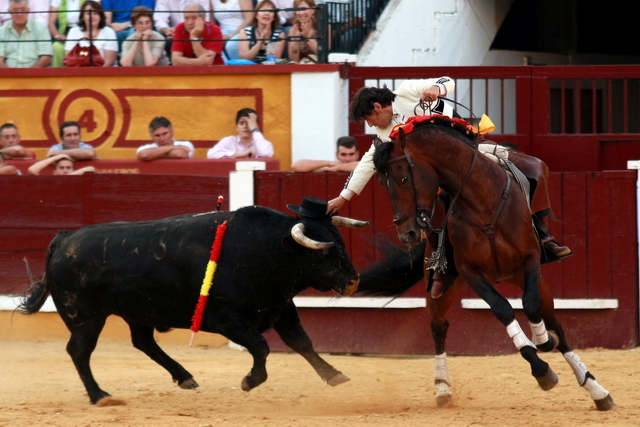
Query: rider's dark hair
pixel 362 102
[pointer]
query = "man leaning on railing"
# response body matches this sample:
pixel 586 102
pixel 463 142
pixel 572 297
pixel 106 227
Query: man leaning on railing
pixel 24 42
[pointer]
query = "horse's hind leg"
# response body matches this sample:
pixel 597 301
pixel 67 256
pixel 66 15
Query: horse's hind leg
pixel 438 309
pixel 503 311
pixel 532 307
pixel 601 397
pixel 142 339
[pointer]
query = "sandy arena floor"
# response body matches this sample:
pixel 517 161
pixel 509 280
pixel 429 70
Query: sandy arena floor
pixel 40 387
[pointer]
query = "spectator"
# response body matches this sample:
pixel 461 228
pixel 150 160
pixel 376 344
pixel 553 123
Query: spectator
pixel 286 17
pixel 248 143
pixel 169 13
pixel 254 39
pixel 118 15
pixel 71 146
pixel 232 16
pixel 303 47
pixel 347 155
pixel 62 165
pixel 10 143
pixel 24 42
pixel 6 169
pixel 509 145
pixel 93 26
pixel 60 22
pixel 163 145
pixel 39 11
pixel 145 47
pixel 345 18
pixel 189 48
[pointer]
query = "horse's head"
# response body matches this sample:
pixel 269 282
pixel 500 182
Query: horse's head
pixel 412 189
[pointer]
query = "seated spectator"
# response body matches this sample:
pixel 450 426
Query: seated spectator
pixel 163 145
pixel 118 15
pixel 71 146
pixel 93 26
pixel 38 11
pixel 24 42
pixel 60 22
pixel 62 165
pixel 145 47
pixel 169 13
pixel 347 155
pixel 248 143
pixel 254 39
pixel 6 169
pixel 232 16
pixel 286 17
pixel 303 47
pixel 10 143
pixel 188 46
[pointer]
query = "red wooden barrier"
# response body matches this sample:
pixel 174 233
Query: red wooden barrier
pixel 211 167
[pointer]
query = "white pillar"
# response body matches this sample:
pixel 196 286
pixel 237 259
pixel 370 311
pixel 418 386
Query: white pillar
pixel 241 184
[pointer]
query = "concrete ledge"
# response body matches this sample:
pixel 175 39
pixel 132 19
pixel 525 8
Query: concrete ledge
pixel 559 304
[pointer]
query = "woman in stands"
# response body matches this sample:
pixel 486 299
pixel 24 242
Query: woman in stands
pixel 232 17
pixel 93 25
pixel 145 47
pixel 303 47
pixel 254 39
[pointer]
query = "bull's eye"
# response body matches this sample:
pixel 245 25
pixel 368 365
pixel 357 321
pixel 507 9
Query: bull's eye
pixel 404 179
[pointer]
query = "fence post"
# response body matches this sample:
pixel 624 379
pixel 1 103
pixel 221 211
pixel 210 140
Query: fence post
pixel 241 190
pixel 323 31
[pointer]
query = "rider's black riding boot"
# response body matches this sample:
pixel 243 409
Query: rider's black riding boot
pixel 548 242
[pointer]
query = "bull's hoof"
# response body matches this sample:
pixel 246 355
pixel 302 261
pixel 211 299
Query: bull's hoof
pixel 189 384
pixel 606 404
pixel 548 380
pixel 338 379
pixel 110 401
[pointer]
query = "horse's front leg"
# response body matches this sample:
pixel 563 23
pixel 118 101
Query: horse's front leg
pixel 438 309
pixel 503 311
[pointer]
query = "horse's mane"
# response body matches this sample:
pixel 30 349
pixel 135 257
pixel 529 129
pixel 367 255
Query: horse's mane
pixel 463 130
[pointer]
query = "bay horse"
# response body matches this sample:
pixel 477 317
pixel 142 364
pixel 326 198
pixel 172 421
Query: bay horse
pixel 491 238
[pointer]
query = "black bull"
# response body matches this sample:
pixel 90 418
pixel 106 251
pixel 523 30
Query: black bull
pixel 150 274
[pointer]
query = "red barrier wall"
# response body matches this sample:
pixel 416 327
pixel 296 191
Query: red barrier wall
pixel 35 208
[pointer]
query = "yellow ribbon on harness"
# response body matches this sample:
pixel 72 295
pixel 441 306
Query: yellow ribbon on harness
pixel 485 125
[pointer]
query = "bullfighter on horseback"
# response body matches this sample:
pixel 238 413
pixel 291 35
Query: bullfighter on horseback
pixel 383 109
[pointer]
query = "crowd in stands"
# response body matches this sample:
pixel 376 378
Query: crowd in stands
pixel 156 32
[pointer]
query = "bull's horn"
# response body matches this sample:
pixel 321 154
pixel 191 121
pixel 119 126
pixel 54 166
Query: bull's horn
pixel 341 221
pixel 297 232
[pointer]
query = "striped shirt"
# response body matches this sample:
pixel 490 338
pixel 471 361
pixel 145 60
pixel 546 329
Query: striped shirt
pixel 23 50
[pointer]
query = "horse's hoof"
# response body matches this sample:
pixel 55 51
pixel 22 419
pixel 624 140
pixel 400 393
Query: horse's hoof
pixel 338 379
pixel 548 380
pixel 606 404
pixel 188 384
pixel 110 401
pixel 245 385
pixel 443 400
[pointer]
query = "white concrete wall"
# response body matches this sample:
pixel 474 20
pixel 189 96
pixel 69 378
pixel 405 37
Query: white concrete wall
pixel 319 112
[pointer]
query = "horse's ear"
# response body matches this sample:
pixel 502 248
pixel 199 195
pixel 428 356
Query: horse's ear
pixel 401 137
pixel 376 141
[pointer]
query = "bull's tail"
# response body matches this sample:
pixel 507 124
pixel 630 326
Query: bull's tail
pixel 38 291
pixel 400 271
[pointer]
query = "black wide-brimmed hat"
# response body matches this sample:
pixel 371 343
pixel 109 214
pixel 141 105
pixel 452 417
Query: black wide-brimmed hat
pixel 311 207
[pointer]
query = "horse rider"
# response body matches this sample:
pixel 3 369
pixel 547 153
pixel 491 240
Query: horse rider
pixel 383 109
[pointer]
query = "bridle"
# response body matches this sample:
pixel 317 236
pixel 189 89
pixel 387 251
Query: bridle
pixel 424 214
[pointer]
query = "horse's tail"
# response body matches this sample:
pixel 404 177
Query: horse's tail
pixel 395 275
pixel 39 290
